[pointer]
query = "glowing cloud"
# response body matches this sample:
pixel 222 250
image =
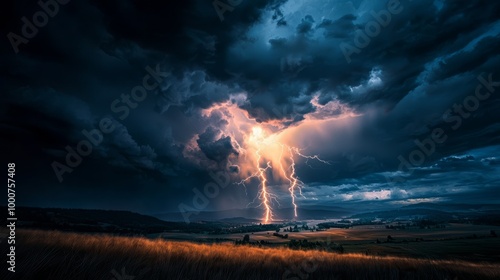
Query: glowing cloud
pixel 264 153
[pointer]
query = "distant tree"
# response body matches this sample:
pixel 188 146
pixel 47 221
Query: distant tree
pixel 286 236
pixel 278 230
pixel 493 233
pixel 341 249
pixel 246 238
pixel 389 238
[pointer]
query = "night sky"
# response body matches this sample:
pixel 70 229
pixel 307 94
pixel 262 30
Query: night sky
pixel 397 99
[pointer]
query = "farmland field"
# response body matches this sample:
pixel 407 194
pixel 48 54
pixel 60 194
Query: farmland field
pixel 456 241
pixel 57 255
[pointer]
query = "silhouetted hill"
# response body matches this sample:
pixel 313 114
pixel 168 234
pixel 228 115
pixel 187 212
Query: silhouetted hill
pixel 123 222
pixel 476 213
pixel 240 220
pixel 454 207
pixel 85 220
pixel 403 213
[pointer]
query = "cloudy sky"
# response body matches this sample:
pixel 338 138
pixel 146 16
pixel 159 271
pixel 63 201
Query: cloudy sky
pixel 354 102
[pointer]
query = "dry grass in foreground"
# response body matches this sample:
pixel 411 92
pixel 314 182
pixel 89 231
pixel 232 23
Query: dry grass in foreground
pixel 56 255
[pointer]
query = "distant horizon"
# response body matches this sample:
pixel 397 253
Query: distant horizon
pixel 278 218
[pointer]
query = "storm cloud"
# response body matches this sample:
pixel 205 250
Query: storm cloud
pixel 281 63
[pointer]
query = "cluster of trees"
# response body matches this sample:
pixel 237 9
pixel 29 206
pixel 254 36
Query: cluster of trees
pixel 428 224
pixel 245 229
pixel 284 236
pixel 296 228
pixel 391 239
pixel 396 226
pixel 493 219
pixel 290 229
pixel 329 225
pixel 246 241
pixel 326 246
pixel 347 224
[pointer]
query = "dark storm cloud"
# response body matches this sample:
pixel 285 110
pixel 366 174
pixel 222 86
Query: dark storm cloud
pixel 284 56
pixel 401 58
pixel 306 25
pixel 192 90
pixel 286 101
pixel 215 148
pixel 340 28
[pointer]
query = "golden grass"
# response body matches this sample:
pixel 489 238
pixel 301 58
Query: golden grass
pixel 56 255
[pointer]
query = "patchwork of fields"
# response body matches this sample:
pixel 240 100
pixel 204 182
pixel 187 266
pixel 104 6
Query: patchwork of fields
pixel 455 241
pixel 58 255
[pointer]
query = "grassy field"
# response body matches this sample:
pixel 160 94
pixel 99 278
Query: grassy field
pixel 354 234
pixel 56 255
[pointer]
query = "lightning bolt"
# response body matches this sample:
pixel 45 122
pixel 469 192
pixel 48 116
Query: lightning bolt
pixel 264 194
pixel 316 157
pixel 295 182
pixel 292 180
pixel 258 153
